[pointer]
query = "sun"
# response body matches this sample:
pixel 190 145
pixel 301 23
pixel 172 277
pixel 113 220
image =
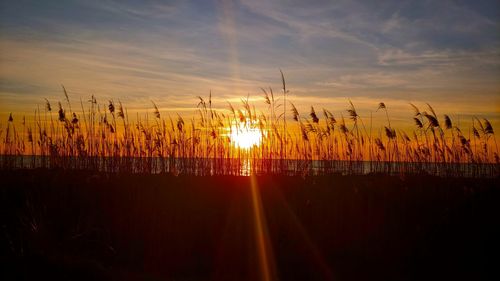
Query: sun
pixel 245 135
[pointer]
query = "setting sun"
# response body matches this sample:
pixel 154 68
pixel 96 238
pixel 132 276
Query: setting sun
pixel 245 135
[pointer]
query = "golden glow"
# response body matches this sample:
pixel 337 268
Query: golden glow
pixel 264 248
pixel 245 135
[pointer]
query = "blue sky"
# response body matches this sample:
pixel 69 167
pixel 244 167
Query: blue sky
pixel 446 53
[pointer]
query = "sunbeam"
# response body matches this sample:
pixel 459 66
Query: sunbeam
pixel 266 259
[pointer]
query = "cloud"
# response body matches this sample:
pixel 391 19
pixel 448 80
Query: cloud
pixel 172 52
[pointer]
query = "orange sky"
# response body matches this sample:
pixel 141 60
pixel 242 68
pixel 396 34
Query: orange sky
pixel 398 52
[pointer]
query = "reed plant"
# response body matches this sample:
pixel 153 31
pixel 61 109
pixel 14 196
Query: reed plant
pixel 102 136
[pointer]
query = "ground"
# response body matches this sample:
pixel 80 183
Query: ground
pixel 82 225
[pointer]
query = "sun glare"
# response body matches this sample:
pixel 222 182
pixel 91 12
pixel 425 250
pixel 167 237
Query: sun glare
pixel 245 136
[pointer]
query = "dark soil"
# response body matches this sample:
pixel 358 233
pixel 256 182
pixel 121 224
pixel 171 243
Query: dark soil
pixel 81 225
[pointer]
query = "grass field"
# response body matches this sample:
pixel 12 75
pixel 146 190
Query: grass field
pixel 82 225
pixel 239 194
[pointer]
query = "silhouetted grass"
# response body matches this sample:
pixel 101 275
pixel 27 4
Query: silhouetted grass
pixel 101 136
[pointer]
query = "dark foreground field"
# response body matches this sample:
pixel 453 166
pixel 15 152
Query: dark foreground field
pixel 71 225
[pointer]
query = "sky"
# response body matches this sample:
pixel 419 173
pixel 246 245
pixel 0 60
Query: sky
pixel 446 53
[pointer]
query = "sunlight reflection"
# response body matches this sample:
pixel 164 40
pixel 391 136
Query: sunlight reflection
pixel 246 167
